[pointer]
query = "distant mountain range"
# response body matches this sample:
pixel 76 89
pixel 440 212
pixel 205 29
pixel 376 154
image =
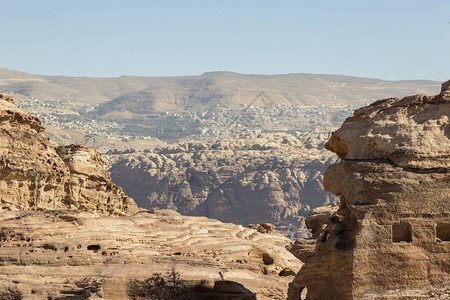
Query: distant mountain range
pixel 138 95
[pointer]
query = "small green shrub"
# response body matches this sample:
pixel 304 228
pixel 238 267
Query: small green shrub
pixel 61 151
pixel 157 287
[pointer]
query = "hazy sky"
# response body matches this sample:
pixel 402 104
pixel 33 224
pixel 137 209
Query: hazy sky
pixel 371 38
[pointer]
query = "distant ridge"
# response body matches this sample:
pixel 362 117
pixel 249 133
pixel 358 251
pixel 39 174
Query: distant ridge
pixel 201 92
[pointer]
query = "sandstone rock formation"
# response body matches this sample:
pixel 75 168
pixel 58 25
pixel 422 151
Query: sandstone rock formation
pixel 316 221
pixel 34 177
pixel 56 254
pixel 319 218
pixel 391 239
pixel 263 228
pixel 254 178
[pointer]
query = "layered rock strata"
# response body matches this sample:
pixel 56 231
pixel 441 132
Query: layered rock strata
pixel 33 176
pixel 391 239
pixel 248 179
pixel 70 254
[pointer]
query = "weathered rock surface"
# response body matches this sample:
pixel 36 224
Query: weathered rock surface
pixel 316 221
pixel 319 218
pixel 77 253
pixel 392 237
pixel 263 228
pixel 411 132
pixel 254 178
pixel 34 177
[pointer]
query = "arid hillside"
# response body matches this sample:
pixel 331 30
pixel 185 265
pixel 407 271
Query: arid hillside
pixel 140 112
pixel 149 94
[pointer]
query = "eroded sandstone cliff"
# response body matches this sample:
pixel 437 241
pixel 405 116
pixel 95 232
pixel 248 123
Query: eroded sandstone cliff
pixel 391 235
pixel 33 176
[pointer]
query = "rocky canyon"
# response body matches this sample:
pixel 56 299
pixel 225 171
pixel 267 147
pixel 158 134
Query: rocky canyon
pixel 68 232
pixel 247 179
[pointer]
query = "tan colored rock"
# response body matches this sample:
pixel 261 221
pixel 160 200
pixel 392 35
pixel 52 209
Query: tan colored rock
pixel 317 221
pixel 6 98
pixel 34 177
pixel 262 228
pixel 319 218
pixel 391 236
pixel 69 253
pixel 86 161
pixel 15 117
pixel 304 249
pixel 411 132
pixel 90 185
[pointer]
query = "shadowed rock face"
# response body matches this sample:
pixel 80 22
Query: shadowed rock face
pixel 391 238
pixel 254 178
pixel 317 220
pixel 34 177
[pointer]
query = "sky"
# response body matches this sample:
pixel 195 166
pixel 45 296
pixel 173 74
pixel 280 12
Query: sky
pixel 390 40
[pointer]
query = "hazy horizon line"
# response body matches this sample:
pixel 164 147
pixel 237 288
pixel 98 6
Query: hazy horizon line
pixel 221 71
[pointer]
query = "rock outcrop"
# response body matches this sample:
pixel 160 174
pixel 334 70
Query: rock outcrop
pixel 33 176
pixel 70 254
pixel 391 236
pixel 316 221
pixel 249 179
